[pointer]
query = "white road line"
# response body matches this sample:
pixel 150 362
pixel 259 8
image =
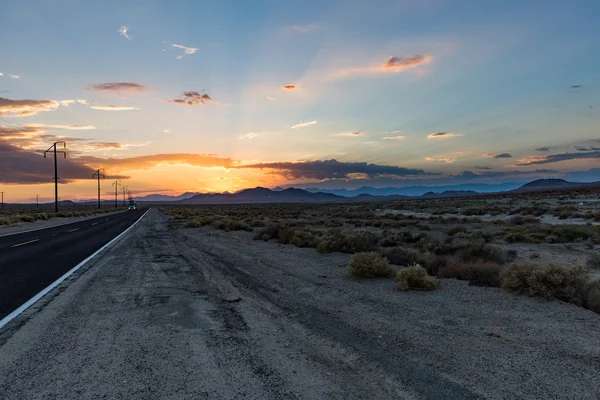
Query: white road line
pixel 73 230
pixel 57 282
pixel 24 243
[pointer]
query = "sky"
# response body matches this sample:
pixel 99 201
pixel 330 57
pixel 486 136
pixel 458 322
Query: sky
pixel 211 96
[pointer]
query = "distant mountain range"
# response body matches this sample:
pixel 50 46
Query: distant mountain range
pixel 418 190
pixel 311 195
pixel 164 197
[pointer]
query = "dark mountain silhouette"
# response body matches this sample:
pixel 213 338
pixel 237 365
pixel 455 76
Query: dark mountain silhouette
pixel 553 184
pixel 164 197
pixel 262 195
pixel 419 190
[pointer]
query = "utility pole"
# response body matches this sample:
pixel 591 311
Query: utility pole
pixel 116 184
pixel 99 174
pixel 2 200
pixel 37 201
pixel 53 147
pixel 124 192
pixel 129 194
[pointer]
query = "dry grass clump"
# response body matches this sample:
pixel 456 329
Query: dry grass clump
pixel 594 261
pixel 478 250
pixel 369 265
pixel 347 242
pixel 415 278
pixel 569 284
pixel 477 273
pixel 400 255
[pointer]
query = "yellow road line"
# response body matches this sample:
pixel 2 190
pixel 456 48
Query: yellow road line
pixel 73 230
pixel 24 243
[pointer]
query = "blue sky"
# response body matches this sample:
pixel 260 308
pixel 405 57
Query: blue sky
pixel 504 78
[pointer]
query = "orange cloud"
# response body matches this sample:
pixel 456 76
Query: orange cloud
pixel 26 108
pixel 393 137
pixel 114 108
pixel 392 64
pixel 192 98
pixel 291 86
pixel 150 161
pixel 447 160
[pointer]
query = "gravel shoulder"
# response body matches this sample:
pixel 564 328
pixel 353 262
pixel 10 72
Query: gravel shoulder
pixel 204 314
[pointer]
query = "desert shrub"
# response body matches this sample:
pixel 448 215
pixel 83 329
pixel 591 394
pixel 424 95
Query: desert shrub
pixel 347 242
pixel 592 296
pixel 478 273
pixel 269 232
pixel 455 230
pixel 516 277
pixel 193 223
pixel 597 216
pixel 515 237
pixel 369 265
pixel 555 282
pixel 27 218
pixel 594 261
pixel 227 225
pixel 415 278
pixel 303 238
pixel 433 262
pixel 400 255
pixel 478 250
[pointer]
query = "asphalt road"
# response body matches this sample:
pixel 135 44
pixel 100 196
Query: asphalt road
pixel 30 261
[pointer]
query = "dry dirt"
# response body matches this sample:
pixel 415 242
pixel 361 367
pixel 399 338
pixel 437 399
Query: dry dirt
pixel 205 314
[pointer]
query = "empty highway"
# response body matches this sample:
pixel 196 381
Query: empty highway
pixel 30 261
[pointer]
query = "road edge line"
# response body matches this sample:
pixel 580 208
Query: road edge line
pixel 57 282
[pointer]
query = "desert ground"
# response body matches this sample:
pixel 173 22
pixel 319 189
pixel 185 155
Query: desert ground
pixel 326 301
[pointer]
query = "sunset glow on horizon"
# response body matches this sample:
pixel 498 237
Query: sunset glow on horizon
pixel 221 96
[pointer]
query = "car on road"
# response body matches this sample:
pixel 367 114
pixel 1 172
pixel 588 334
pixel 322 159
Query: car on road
pixel 132 206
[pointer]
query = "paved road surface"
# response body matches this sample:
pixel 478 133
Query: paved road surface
pixel 31 261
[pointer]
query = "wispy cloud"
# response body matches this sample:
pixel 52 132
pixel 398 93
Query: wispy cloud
pixel 543 149
pixel 351 134
pixel 1 74
pixel 300 28
pixel 150 161
pixel 15 76
pixel 129 87
pixel 482 167
pixel 443 135
pixel 26 108
pixel 82 101
pixel 192 98
pixel 497 156
pixel 252 135
pixel 447 160
pixel 271 98
pixel 392 64
pixel 291 86
pixel 552 158
pixel 303 124
pixel 123 31
pixel 114 108
pixel 393 137
pixel 62 127
pixel 186 50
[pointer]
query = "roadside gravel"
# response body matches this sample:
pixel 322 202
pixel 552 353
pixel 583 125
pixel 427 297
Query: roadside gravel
pixel 204 314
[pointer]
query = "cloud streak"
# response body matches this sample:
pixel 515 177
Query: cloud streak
pixel 393 64
pixel 443 135
pixel 351 134
pixel 393 138
pixel 26 108
pixel 186 50
pixel 333 169
pixel 303 124
pixel 114 108
pixel 151 161
pixel 447 160
pixel 498 156
pixel 553 158
pixel 118 87
pixel 291 86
